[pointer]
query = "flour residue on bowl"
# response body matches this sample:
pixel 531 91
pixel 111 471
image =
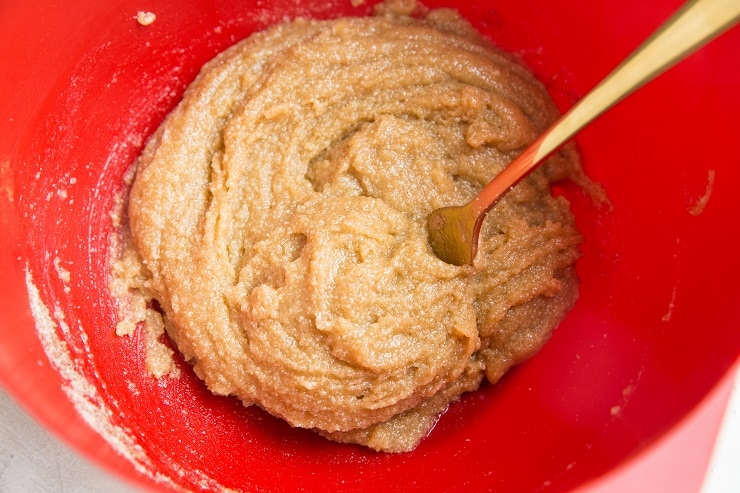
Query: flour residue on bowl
pixel 702 202
pixel 6 187
pixel 80 390
pixel 671 306
pixel 63 273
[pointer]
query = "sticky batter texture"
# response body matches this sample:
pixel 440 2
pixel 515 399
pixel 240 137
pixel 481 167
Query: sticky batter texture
pixel 279 217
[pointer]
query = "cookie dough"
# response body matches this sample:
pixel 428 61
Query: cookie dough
pixel 279 217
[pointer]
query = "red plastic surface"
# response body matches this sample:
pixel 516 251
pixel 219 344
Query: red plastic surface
pixel 656 327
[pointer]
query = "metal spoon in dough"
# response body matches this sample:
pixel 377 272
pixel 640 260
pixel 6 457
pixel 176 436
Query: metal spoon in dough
pixel 453 231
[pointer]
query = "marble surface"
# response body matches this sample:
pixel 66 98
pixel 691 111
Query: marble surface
pixel 32 460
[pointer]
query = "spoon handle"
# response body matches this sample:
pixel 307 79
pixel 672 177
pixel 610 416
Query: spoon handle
pixel 693 25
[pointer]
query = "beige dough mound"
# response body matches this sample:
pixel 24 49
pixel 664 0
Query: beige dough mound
pixel 279 213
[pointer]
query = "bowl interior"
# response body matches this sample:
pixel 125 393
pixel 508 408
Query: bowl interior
pixel 82 87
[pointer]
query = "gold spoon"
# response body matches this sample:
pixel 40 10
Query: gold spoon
pixel 453 231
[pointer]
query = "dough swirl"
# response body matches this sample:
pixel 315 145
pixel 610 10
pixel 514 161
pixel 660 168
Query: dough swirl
pixel 279 211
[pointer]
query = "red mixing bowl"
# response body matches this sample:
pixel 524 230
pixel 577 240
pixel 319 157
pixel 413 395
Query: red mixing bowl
pixel 82 85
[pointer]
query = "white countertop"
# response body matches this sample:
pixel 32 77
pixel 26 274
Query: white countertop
pixel 723 474
pixel 32 460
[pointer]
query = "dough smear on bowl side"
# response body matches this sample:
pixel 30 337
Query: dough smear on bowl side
pixel 277 221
